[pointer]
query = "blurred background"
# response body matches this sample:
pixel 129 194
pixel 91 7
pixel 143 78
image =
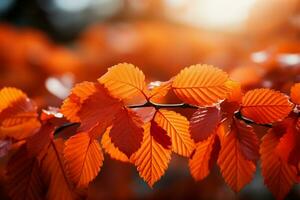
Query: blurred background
pixel 46 46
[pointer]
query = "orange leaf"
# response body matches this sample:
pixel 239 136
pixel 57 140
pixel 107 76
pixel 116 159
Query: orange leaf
pixel 205 155
pixel 204 122
pixel 201 85
pixel 127 131
pixel 79 94
pixel 83 158
pixel 111 149
pixel 235 168
pixel 59 187
pixel 18 116
pixel 295 93
pixel 126 82
pixel 98 109
pixel 288 147
pixel 265 106
pixel 152 159
pixel 177 127
pixel 159 90
pixel 278 175
pixel 235 94
pixel 24 177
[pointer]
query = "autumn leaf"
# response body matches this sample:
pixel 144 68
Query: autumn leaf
pixel 236 170
pixel 177 127
pixel 201 85
pixel 72 105
pixel 152 158
pixel 36 143
pixel 24 178
pixel 289 144
pixel 205 156
pixel 249 143
pixel 18 114
pixel 126 82
pixel 295 93
pixel 235 94
pixel 59 187
pixel 265 106
pixel 127 131
pixel 279 176
pixel 160 135
pixel 158 90
pixel 111 149
pixel 83 158
pixel 99 109
pixel 204 122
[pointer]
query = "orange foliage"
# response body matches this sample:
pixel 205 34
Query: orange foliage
pixel 120 111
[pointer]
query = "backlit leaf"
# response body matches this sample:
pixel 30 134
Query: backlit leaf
pixel 279 176
pixel 177 127
pixel 125 81
pixel 152 158
pixel 204 122
pixel 288 147
pixel 236 170
pixel 159 90
pixel 24 180
pixel 249 143
pixel 127 131
pixel 78 95
pixel 98 109
pixel 18 115
pixel 295 93
pixel 201 85
pixel 205 155
pixel 111 149
pixel 265 106
pixel 83 158
pixel 160 135
pixel 59 187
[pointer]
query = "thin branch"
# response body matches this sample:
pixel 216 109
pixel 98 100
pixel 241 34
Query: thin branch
pixel 64 126
pixel 159 105
pixel 238 115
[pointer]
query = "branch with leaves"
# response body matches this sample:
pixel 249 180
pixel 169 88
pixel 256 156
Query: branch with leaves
pixel 60 151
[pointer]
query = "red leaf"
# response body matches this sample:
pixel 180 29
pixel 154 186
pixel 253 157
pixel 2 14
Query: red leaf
pixel 24 180
pixel 204 123
pixel 160 135
pixel 249 143
pixel 127 132
pixel 98 109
